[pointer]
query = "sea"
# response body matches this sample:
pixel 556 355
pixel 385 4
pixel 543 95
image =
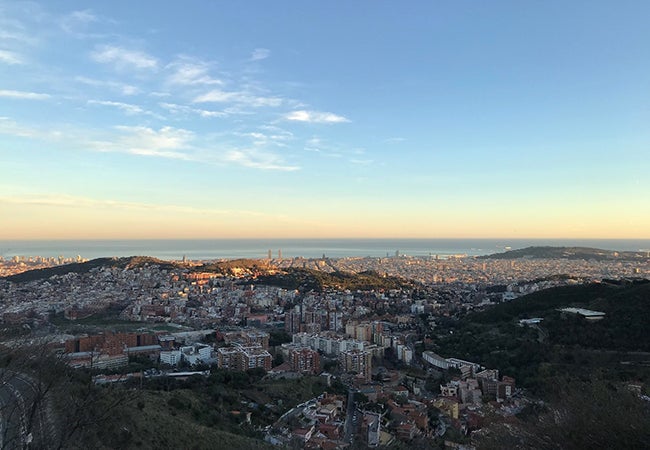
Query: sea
pixel 213 249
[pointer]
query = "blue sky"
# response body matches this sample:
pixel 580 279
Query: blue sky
pixel 324 119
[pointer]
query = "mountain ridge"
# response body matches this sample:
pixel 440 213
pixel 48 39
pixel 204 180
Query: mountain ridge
pixel 550 252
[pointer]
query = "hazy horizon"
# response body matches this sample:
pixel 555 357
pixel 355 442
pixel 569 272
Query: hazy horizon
pixel 206 249
pixel 324 120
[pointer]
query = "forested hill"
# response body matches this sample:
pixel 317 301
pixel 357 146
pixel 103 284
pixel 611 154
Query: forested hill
pixel 562 344
pixel 569 253
pixel 85 267
pixel 253 270
pixel 626 308
pixel 309 279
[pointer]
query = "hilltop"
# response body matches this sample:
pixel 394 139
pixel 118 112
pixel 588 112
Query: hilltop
pixel 85 267
pixel 568 253
pixel 255 271
pixel 310 279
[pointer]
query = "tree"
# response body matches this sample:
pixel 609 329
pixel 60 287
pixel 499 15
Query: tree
pixel 48 404
pixel 582 414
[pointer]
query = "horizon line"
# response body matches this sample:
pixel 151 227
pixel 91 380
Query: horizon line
pixel 320 238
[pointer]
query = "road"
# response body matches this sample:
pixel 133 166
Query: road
pixel 20 426
pixel 349 417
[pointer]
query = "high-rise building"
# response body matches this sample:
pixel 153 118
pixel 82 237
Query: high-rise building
pixel 359 361
pixel 292 322
pixel 304 360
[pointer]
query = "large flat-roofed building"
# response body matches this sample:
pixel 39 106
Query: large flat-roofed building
pixel 586 313
pixel 435 360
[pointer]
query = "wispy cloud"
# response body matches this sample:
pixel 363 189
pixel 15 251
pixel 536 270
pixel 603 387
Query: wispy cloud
pixel 72 201
pixel 258 160
pixel 124 58
pixel 273 136
pixel 238 97
pixel 23 95
pixel 77 21
pixel 126 107
pixel 277 132
pixel 260 53
pixel 177 143
pixel 190 72
pixel 186 110
pixel 314 117
pixel 362 162
pixel 167 142
pixel 123 88
pixel 9 57
pixel 11 128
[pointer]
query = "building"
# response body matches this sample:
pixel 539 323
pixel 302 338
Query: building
pixel 304 360
pixel 248 337
pixel 228 358
pixel 373 421
pixel 586 313
pixel 255 357
pixel 243 358
pixel 358 361
pixel 110 343
pixel 171 357
pixel 435 360
pixel 152 351
pixel 292 322
pixel 94 360
pixel 196 354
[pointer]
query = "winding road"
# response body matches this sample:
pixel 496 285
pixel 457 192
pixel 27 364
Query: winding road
pixel 23 424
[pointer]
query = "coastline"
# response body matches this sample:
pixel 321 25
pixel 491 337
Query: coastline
pixel 209 249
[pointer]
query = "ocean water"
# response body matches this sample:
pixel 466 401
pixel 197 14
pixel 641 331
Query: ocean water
pixel 205 249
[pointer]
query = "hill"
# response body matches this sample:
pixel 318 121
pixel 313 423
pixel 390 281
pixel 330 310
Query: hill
pixel 568 253
pixel 236 267
pixel 85 267
pixel 309 279
pixel 617 347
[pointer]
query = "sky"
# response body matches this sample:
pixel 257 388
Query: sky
pixel 445 119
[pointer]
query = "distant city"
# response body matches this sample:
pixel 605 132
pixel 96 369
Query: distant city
pixel 283 317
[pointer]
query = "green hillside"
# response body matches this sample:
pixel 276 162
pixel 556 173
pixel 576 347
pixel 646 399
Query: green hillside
pixel 616 347
pixel 309 279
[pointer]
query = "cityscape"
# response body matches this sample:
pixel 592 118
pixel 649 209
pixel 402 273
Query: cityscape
pixel 373 350
pixel 324 225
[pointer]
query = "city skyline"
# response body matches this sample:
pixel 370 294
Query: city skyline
pixel 283 119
